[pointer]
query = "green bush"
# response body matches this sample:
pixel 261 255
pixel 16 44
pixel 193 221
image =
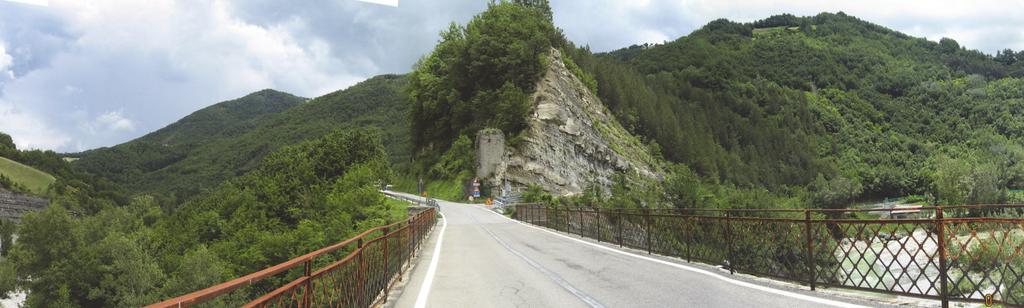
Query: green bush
pixel 587 79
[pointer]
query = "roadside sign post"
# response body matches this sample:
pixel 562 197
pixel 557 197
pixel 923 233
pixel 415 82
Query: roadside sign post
pixel 475 192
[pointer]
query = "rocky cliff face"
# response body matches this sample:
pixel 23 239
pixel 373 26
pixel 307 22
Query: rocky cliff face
pixel 14 205
pixel 572 142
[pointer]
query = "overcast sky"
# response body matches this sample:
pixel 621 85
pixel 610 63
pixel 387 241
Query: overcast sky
pixel 76 75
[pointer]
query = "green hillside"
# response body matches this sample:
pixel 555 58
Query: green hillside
pixel 826 108
pixel 30 178
pixel 134 163
pixel 784 112
pixel 228 139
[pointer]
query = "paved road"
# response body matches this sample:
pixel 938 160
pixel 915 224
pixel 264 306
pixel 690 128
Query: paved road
pixel 487 260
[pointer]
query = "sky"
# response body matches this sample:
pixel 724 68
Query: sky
pixel 76 75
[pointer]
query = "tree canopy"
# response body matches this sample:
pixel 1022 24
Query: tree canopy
pixel 302 197
pixel 829 103
pixel 480 76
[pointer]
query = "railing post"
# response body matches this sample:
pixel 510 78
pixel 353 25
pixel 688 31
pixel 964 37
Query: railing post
pixel 530 214
pixel 409 233
pixel 554 224
pixel 547 216
pixel 619 226
pixel 728 241
pixel 940 226
pixel 306 300
pixel 580 209
pixel 647 222
pixel 387 265
pixel 568 221
pixel 406 255
pixel 808 233
pixel 597 219
pixel 689 239
pixel 360 274
pixel 564 220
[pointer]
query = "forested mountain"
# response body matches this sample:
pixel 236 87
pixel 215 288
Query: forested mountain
pixel 826 109
pixel 842 107
pixel 79 191
pixel 230 138
pixel 134 162
pixel 783 112
pixel 300 198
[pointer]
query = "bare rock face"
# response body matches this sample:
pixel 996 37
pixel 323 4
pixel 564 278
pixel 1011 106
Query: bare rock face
pixel 572 140
pixel 14 205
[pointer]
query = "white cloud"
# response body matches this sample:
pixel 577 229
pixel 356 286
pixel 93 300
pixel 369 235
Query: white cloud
pixel 392 3
pixel 113 120
pixel 81 74
pixel 159 61
pixel 987 25
pixel 32 2
pixel 5 64
pixel 29 131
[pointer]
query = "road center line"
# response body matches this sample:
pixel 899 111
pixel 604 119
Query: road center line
pixel 590 301
pixel 692 269
pixel 421 298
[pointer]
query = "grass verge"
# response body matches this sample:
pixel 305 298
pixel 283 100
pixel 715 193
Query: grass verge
pixel 36 181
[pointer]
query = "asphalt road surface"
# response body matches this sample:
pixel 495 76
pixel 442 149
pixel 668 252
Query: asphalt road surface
pixel 488 260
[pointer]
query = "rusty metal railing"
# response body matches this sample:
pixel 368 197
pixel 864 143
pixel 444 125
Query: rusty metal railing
pixel 360 278
pixel 972 253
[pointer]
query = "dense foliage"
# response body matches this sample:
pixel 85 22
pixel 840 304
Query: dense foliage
pixel 231 138
pixel 90 193
pixel 479 76
pixel 136 163
pixel 828 108
pixel 301 197
pixel 783 112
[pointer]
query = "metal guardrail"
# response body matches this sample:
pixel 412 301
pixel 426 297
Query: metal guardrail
pixel 426 201
pixel 361 278
pixel 951 254
pixel 503 202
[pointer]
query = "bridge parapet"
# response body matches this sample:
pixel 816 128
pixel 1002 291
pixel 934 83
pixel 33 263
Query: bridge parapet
pixel 969 253
pixel 357 272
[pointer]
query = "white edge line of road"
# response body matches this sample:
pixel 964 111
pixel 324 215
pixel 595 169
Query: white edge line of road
pixel 692 269
pixel 421 298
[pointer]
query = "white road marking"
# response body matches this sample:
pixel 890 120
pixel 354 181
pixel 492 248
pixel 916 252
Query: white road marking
pixel 421 299
pixel 692 269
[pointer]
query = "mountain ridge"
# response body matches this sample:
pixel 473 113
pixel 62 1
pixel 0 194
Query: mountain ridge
pixel 184 169
pixel 812 103
pixel 759 104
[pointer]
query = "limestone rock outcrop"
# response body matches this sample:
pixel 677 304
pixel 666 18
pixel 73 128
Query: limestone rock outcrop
pixel 14 205
pixel 572 141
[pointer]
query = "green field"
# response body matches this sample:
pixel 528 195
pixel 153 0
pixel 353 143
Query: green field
pixel 35 180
